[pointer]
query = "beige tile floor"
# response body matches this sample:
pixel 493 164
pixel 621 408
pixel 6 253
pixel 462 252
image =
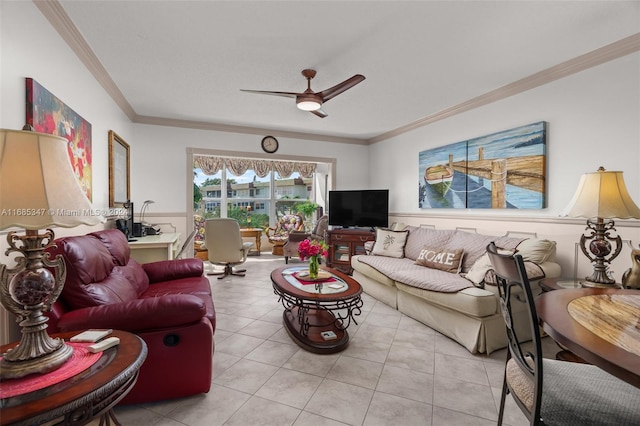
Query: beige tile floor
pixel 395 371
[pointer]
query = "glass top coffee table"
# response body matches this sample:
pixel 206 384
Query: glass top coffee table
pixel 317 313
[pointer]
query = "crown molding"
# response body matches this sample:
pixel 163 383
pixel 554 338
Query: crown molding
pixel 591 59
pixel 62 23
pixel 219 127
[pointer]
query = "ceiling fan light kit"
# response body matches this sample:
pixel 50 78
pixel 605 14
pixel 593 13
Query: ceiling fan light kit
pixel 308 102
pixel 312 101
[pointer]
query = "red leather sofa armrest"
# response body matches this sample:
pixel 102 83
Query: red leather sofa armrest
pixel 137 315
pixel 168 270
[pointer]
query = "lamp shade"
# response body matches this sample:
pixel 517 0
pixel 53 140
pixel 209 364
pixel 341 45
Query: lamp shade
pixel 602 194
pixel 38 187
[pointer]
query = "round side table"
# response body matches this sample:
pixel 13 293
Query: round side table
pixel 89 394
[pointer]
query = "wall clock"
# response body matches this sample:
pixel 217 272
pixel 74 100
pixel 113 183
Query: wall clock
pixel 270 144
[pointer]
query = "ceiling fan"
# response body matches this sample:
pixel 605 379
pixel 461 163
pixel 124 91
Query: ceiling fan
pixel 312 101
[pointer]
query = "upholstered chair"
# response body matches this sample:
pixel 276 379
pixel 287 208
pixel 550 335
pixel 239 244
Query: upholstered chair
pixel 319 232
pixel 279 234
pixel 225 247
pixel 548 391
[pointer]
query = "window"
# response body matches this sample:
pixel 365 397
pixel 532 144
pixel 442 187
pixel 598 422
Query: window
pixel 278 186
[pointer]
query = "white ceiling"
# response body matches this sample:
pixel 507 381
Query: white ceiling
pixel 188 60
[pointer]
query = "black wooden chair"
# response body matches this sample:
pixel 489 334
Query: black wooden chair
pixel 548 391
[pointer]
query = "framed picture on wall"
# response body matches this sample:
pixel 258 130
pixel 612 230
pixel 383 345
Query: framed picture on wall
pixel 118 170
pixel 48 114
pixel 503 170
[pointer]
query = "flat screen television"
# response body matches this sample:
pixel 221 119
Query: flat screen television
pixel 366 208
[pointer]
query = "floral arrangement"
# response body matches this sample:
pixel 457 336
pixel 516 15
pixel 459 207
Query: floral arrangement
pixel 310 248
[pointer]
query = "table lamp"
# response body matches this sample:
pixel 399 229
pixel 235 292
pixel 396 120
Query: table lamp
pixel 600 197
pixel 38 189
pixel 144 208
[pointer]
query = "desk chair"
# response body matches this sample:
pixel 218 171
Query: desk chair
pixel 551 392
pixel 225 246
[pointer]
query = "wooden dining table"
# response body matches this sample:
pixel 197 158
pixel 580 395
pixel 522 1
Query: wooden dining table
pixel 602 326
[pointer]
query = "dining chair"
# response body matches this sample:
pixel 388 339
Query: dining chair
pixel 225 247
pixel 548 391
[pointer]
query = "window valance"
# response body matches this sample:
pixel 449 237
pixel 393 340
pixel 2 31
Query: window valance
pixel 238 166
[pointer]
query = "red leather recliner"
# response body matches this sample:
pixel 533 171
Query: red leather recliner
pixel 168 304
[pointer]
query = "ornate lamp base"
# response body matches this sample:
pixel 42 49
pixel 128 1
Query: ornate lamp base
pixel 43 364
pixel 26 291
pixel 596 245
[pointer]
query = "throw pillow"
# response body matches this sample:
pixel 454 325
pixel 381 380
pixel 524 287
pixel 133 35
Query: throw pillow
pixel 534 273
pixel 443 259
pixel 483 265
pixel 535 250
pixel 390 243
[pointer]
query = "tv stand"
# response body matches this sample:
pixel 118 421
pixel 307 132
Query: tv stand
pixel 345 243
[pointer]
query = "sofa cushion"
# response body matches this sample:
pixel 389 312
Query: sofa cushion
pixel 390 243
pixel 116 242
pixel 470 301
pixel 370 271
pixel 407 272
pixel 441 258
pixel 94 277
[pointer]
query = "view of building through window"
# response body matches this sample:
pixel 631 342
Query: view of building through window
pixel 253 201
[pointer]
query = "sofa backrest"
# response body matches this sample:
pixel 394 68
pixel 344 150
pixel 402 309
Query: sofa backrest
pixel 99 269
pixel 474 245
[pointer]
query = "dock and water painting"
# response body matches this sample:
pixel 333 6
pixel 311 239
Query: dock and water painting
pixel 502 170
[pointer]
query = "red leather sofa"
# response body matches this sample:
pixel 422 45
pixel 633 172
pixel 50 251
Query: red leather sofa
pixel 168 304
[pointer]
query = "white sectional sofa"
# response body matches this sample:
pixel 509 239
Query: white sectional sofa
pixel 443 279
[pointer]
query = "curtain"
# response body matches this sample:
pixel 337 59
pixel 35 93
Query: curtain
pixel 262 167
pixel 209 165
pixel 239 166
pixel 306 169
pixel 284 168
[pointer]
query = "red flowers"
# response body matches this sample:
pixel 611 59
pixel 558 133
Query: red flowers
pixel 308 248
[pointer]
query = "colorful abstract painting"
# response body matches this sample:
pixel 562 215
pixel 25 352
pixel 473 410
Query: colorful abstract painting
pixel 502 170
pixel 48 114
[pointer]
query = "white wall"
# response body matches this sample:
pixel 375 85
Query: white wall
pixel 593 120
pixel 30 47
pixel 158 165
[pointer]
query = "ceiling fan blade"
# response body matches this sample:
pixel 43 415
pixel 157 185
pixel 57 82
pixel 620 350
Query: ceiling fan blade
pixel 266 92
pixel 341 87
pixel 319 112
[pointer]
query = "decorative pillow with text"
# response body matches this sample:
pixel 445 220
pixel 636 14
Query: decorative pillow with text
pixel 390 243
pixel 443 259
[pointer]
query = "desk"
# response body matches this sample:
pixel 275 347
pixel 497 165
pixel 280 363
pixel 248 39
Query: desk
pixel 153 248
pixel 602 326
pixel 253 233
pixel 89 394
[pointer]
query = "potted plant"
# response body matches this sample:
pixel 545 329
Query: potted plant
pixel 306 209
